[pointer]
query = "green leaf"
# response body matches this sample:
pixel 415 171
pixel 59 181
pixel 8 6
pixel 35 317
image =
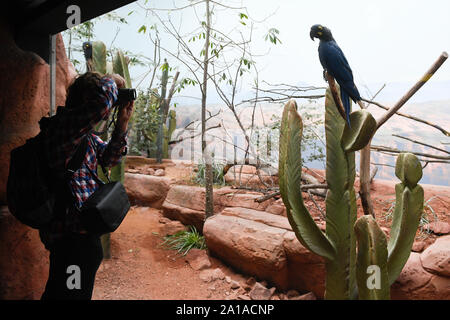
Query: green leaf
pixel 243 16
pixel 143 29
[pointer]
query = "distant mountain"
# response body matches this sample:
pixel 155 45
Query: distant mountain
pixel 437 112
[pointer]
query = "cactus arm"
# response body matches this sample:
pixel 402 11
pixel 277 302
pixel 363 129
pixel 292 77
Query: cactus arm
pixel 363 127
pixel 407 213
pixel 301 221
pixel 283 154
pixel 120 66
pixel 408 218
pixel 371 266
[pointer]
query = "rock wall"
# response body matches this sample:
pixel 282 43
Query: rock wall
pixel 24 95
pixel 186 203
pixel 23 260
pixel 24 99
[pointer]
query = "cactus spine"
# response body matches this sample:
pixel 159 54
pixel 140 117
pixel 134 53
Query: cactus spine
pixel 347 268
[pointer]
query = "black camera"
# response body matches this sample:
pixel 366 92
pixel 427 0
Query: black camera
pixel 126 95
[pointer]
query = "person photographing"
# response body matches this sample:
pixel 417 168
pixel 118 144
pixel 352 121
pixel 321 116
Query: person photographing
pixel 73 152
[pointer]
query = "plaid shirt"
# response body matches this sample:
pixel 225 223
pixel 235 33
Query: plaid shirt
pixel 64 132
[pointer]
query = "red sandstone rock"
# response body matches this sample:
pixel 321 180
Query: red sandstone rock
pixel 438 227
pixel 146 190
pixel 260 292
pixel 248 176
pixel 277 207
pixel 228 197
pixel 312 274
pixel 23 260
pixel 436 258
pixel 187 203
pixel 249 246
pixel 159 173
pixel 187 196
pixel 415 283
pixel 171 228
pixel 258 216
pixel 188 217
pixel 24 100
pixel 198 259
pixel 418 246
pixel 210 275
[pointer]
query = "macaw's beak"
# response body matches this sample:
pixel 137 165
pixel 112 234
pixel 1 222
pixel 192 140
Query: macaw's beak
pixel 311 34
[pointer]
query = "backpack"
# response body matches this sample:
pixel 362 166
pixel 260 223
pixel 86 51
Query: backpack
pixel 30 193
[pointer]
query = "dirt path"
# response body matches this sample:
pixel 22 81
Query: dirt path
pixel 141 269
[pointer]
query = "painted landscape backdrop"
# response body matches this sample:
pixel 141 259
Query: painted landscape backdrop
pixel 221 140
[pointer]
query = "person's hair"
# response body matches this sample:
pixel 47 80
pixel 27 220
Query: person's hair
pixel 84 88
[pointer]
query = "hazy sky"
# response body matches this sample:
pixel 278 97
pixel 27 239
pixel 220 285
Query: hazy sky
pixel 384 41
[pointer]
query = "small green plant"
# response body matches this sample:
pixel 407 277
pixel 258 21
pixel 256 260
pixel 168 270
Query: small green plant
pixel 183 241
pixel 218 177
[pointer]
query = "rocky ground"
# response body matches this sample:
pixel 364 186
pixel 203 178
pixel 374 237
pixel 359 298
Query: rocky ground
pixel 141 268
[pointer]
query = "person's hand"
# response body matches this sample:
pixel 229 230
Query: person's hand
pixel 119 80
pixel 124 115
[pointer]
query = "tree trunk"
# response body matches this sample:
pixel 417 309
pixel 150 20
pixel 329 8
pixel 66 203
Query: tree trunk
pixel 209 201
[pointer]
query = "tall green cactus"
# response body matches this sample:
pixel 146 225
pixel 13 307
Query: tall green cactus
pixel 347 268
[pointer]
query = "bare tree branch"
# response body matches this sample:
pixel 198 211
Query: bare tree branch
pixel 421 143
pixel 445 132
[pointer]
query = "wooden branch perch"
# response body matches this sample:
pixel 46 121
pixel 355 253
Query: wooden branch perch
pixel 336 96
pixel 413 90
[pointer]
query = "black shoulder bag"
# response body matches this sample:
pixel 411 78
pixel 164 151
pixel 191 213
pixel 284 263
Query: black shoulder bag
pixel 106 208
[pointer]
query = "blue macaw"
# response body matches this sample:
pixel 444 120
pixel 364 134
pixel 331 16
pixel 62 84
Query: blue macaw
pixel 334 62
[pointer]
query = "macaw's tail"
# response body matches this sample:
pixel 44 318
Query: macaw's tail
pixel 346 102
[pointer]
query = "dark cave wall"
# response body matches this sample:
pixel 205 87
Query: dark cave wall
pixel 24 99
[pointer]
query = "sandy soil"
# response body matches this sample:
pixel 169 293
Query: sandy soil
pixel 141 269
